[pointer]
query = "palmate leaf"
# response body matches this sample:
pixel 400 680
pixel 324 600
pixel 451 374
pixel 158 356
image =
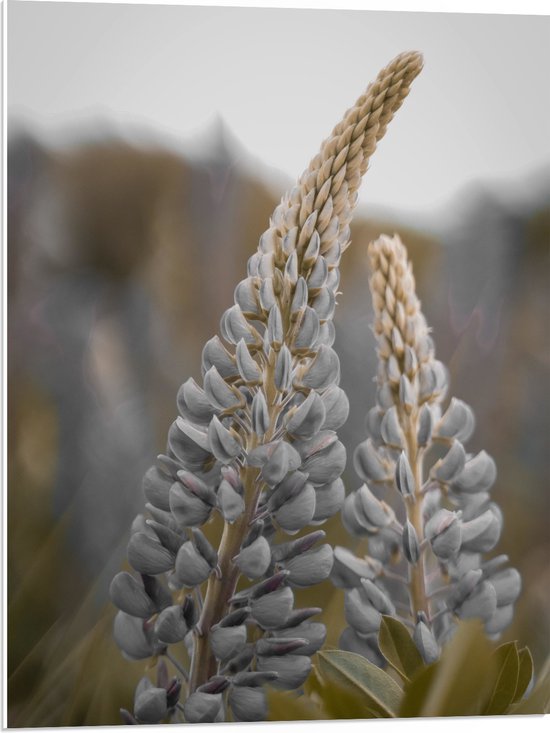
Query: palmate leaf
pixel 378 692
pixel 504 690
pixel 398 647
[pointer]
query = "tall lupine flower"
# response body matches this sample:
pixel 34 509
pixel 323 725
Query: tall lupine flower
pixel 426 543
pixel 255 443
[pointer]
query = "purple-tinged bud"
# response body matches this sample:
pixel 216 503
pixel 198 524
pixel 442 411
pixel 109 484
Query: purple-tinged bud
pixel 130 637
pixel 272 610
pixel 192 568
pixel 150 705
pixel 311 567
pixel 360 613
pixel 224 443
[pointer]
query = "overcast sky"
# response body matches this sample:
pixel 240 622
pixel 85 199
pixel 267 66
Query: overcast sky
pixel 282 78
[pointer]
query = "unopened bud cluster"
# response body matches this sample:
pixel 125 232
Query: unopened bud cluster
pixel 255 444
pixel 425 505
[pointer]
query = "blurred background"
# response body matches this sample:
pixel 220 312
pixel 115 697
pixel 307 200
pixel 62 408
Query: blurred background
pixel 147 147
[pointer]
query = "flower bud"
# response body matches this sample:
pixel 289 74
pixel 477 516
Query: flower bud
pixel 186 449
pixel 200 707
pixel 404 479
pixel 368 464
pixel 130 637
pixel 308 332
pixel 318 275
pixel 314 633
pixel 479 474
pixel 452 464
pixel 224 443
pixel 192 568
pixel 150 705
pixel 156 487
pixel 248 704
pixel 323 370
pixel 500 619
pixel 336 407
pixel 482 533
pixel 324 458
pixel 187 508
pixel 227 641
pixel 445 534
pixel 283 369
pixel 328 500
pixel 298 511
pixel 292 670
pixel 360 613
pixel 235 327
pixel 171 626
pixel 426 643
pixel 507 584
pixel 458 421
pixel 272 609
pixel 347 570
pixel 377 512
pixel 311 567
pixel 216 355
pixel 129 596
pixel 299 299
pixel 377 597
pixel 306 420
pixel 246 297
pixel 481 603
pixel 411 547
pixel 221 395
pixel 254 560
pixel 230 503
pixel 424 426
pixel 248 368
pixel 148 556
pixel 260 414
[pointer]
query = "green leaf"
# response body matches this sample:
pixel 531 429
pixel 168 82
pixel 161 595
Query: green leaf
pixel 507 659
pixel 354 673
pixel 525 673
pixel 398 647
pixel 538 701
pixel 417 690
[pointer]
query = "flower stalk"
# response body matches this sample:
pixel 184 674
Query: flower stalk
pixel 256 442
pixel 418 474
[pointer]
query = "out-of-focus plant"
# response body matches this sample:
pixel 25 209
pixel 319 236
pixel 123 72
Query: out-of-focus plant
pixel 255 447
pixel 425 559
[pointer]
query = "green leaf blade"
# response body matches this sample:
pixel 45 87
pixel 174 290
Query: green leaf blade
pixel 525 674
pixel 504 690
pixel 398 647
pixel 381 694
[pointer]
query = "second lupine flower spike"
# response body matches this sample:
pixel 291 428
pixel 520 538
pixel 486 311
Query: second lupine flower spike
pixel 256 444
pixel 428 557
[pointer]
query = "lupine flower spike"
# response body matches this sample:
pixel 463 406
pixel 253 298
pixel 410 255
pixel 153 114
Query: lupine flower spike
pixel 256 444
pixel 426 542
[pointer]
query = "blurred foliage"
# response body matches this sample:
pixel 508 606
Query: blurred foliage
pixel 472 677
pixel 120 262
